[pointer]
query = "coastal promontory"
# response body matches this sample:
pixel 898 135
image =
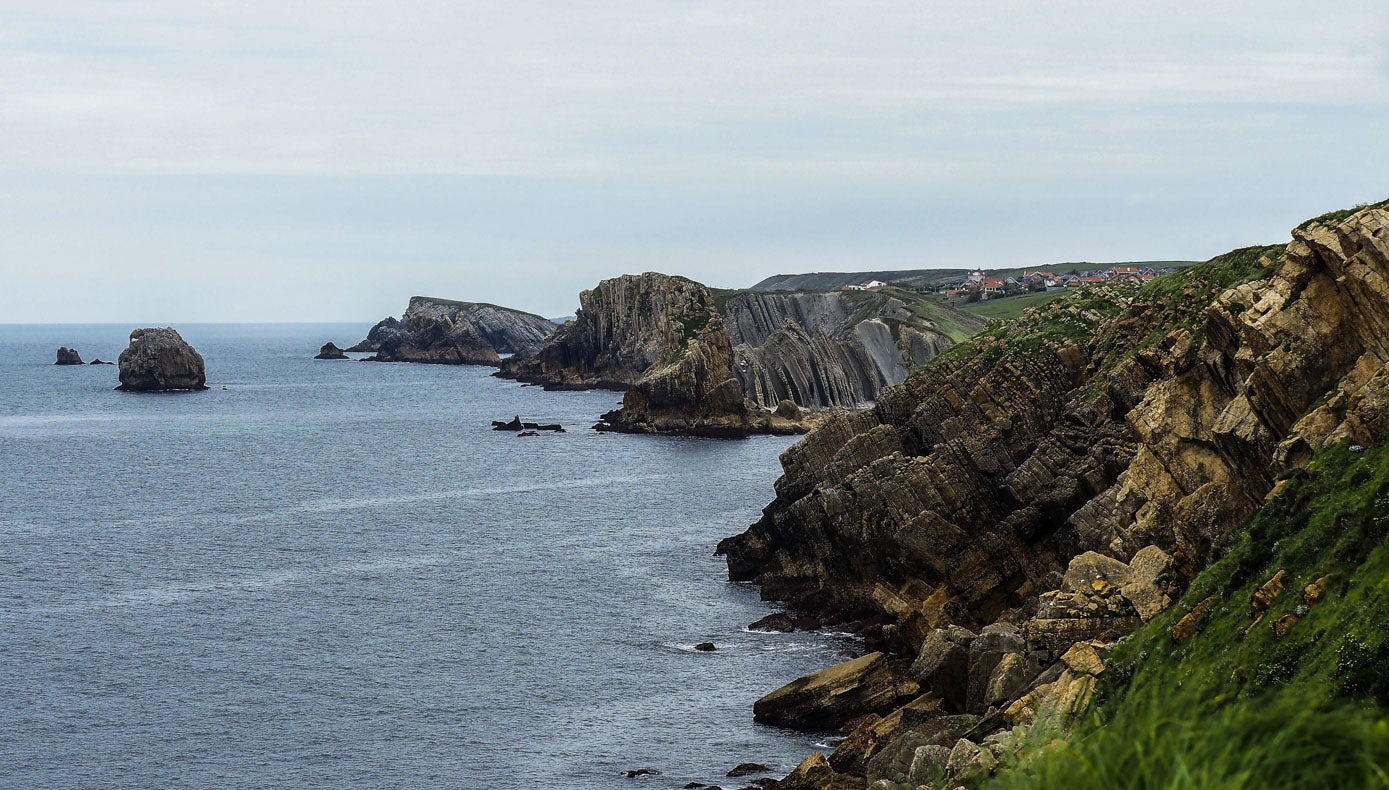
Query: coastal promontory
pixel 159 359
pixel 693 359
pixel 443 331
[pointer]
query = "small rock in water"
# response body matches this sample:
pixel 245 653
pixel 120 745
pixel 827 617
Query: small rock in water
pixel 68 356
pixel 774 622
pixel 706 647
pixel 527 433
pixel 636 772
pixel 747 769
pixel 514 425
pixel 330 350
pixel 99 361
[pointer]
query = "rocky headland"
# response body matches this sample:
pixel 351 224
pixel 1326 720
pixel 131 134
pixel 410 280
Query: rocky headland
pixel 159 359
pixel 442 331
pixel 723 363
pixel 995 523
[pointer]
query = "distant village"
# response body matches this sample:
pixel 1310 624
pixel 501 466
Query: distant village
pixel 978 285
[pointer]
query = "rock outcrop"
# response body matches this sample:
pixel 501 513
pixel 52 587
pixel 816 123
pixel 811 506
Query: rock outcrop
pixel 830 349
pixel 158 359
pixel 68 356
pixel 442 331
pixel 693 360
pixel 330 350
pixel 1060 478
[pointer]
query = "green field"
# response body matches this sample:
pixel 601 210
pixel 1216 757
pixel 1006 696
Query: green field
pixel 1010 306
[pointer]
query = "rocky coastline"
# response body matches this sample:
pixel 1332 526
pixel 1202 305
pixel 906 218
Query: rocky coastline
pixel 692 360
pixel 995 523
pixel 447 332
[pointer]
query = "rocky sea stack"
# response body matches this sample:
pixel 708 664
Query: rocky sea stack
pixel 330 350
pixel 1061 481
pixel 157 360
pixel 68 356
pixel 442 331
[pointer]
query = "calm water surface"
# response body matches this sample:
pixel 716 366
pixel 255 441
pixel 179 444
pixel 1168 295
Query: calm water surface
pixel 334 574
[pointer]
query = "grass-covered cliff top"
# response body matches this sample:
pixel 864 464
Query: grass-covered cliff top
pixel 1117 319
pixel 1297 699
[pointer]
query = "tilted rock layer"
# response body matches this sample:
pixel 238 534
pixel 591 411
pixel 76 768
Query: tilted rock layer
pixel 1143 425
pixel 159 359
pixel 455 333
pixel 670 343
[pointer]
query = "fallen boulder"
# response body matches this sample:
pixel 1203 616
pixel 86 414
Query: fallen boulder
pixel 158 359
pixel 829 698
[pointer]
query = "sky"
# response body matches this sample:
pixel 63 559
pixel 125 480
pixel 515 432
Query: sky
pixel 166 161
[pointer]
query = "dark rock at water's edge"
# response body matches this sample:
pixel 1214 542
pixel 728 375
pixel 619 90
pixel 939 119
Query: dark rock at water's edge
pixel 330 350
pixel 778 622
pixel 516 424
pixel 748 769
pixel 68 356
pixel 158 359
pixel 443 331
pixel 100 362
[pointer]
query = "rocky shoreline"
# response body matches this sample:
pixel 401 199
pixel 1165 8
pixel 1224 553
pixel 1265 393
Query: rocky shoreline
pixel 1005 515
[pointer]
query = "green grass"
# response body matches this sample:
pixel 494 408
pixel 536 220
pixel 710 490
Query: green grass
pixel 1010 306
pixel 1228 710
pixel 1332 217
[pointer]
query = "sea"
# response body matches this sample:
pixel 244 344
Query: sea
pixel 335 574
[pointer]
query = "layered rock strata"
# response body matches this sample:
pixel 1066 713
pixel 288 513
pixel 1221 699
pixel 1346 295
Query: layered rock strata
pixel 1052 483
pixel 158 359
pixel 442 331
pixel 696 361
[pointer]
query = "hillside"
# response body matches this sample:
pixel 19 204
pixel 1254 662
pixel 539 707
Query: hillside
pixel 929 279
pixel 1060 481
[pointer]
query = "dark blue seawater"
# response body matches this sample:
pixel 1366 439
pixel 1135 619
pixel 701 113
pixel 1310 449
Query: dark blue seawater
pixel 335 574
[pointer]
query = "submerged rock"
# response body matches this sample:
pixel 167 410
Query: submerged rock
pixel 330 350
pixel 100 362
pixel 158 359
pixel 68 356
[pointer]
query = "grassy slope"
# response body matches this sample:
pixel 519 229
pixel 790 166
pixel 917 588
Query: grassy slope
pixel 1226 710
pixel 1010 306
pixel 929 278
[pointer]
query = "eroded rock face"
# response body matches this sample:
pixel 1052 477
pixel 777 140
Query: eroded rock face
pixel 669 343
pixel 68 356
pixel 159 360
pixel 1063 477
pixel 443 331
pixel 827 349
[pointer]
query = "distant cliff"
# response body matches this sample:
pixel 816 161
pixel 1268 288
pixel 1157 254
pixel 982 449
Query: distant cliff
pixel 443 331
pixel 673 344
pixel 1058 479
pixel 834 349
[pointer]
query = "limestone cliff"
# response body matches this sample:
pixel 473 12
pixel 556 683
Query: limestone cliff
pixel 458 333
pixel 1141 425
pixel 832 349
pixel 673 344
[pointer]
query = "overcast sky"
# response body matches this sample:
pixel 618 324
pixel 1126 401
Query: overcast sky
pixel 177 161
